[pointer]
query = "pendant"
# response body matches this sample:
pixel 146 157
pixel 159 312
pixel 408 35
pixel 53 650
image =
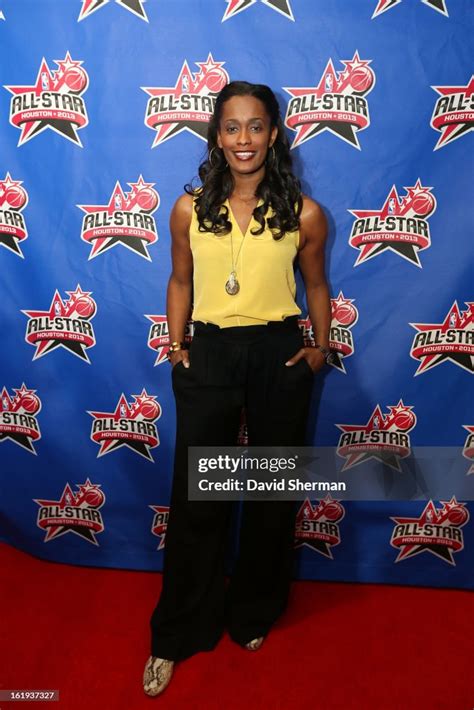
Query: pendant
pixel 232 286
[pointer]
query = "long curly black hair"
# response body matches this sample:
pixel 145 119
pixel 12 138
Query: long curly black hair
pixel 279 189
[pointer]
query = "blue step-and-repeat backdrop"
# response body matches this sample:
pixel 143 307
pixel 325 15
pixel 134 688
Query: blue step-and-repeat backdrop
pixel 104 106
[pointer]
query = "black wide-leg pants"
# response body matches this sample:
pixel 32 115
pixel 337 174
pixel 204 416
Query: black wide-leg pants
pixel 230 368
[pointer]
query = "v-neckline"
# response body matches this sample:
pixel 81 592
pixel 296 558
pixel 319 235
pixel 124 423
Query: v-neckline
pixel 234 219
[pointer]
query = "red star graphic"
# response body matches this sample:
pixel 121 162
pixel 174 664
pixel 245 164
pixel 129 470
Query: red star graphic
pixel 320 543
pixel 74 296
pixel 62 309
pixel 7 404
pixel 396 206
pixel 126 410
pixel 378 422
pixel 341 301
pixel 331 82
pixel 454 129
pixel 69 498
pixel 435 516
pixel 20 394
pixel 338 303
pixel 25 401
pixel 186 83
pixel 48 81
pixel 136 188
pixel 6 184
pixel 454 319
pixel 126 202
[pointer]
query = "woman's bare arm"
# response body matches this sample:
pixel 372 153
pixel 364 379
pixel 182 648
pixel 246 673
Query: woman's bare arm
pixel 313 235
pixel 179 292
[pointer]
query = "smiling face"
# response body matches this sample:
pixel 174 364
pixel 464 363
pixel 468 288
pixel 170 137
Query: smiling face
pixel 245 134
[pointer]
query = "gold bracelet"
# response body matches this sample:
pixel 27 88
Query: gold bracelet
pixel 174 347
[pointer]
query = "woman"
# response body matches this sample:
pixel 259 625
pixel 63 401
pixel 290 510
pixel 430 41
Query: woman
pixel 234 241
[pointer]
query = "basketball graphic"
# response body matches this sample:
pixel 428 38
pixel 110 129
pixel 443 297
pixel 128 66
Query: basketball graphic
pixel 147 199
pixel 85 307
pixel 333 510
pixel 43 336
pixel 16 197
pixel 458 515
pixel 344 313
pixel 361 79
pixel 30 403
pixel 423 204
pixel 215 80
pixel 94 497
pixel 150 410
pixel 75 79
pixel 404 420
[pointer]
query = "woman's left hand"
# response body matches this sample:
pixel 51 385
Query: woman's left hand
pixel 313 357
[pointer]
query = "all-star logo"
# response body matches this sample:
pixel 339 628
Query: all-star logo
pixel 452 340
pixel 160 523
pixel 468 450
pixel 236 6
pixel 127 219
pixel 131 424
pixel 187 106
pixel 317 526
pixel 384 5
pixel 344 315
pixel 401 226
pixel 66 324
pixel 437 530
pixel 337 104
pixel 384 437
pixel 13 199
pixel 134 6
pixel 2 16
pixel 159 338
pixel 54 102
pixel 453 114
pixel 18 417
pixel 76 513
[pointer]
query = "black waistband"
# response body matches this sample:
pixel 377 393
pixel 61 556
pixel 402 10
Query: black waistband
pixel 288 324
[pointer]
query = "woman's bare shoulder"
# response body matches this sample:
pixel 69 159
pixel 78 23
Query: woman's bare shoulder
pixel 182 210
pixel 311 210
pixel 184 204
pixel 313 223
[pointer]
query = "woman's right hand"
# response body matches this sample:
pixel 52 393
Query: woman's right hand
pixel 180 355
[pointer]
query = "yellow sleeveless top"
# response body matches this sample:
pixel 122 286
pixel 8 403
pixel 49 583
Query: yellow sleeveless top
pixel 264 270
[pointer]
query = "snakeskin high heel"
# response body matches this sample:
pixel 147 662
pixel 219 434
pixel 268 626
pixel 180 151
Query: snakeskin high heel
pixel 255 644
pixel 157 675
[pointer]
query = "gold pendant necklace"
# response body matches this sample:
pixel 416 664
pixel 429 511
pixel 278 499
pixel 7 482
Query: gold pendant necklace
pixel 232 285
